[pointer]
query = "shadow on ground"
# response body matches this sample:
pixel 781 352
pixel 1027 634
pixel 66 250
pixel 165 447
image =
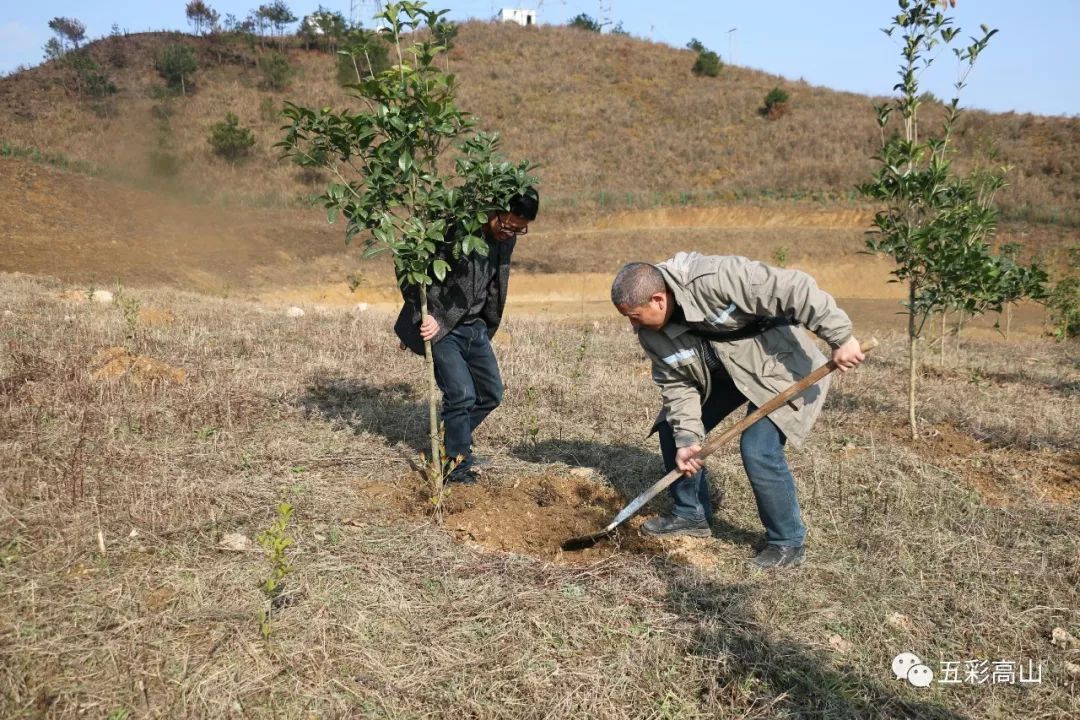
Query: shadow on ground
pixel 786 678
pixel 392 411
pixel 628 468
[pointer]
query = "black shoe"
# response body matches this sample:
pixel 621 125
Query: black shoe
pixel 779 556
pixel 672 525
pixel 468 477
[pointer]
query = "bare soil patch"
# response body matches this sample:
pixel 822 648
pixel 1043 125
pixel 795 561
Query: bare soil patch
pixel 1000 475
pixel 534 515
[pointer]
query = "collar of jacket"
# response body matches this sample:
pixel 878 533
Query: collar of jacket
pixel 674 329
pixel 677 275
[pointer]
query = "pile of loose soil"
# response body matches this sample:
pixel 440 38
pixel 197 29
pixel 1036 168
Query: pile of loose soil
pixel 155 317
pixel 534 515
pixel 118 362
pixel 1053 476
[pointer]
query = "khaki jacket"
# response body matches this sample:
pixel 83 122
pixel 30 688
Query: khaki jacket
pixel 723 293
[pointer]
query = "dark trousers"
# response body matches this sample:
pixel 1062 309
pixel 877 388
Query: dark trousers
pixel 468 375
pixel 762 449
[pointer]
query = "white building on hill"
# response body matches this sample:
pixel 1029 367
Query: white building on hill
pixel 521 16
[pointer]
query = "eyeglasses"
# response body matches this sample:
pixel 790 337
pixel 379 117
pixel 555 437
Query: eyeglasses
pixel 505 227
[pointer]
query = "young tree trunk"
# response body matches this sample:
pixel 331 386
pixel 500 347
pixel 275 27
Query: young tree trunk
pixel 1008 321
pixel 436 466
pixel 913 343
pixel 943 330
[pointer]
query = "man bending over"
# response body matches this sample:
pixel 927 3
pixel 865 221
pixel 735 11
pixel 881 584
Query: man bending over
pixel 721 331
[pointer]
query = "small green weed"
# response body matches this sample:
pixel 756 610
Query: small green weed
pixel 780 256
pixel 276 542
pixel 205 432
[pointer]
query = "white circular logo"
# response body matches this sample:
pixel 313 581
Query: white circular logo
pixel 904 662
pixel 920 676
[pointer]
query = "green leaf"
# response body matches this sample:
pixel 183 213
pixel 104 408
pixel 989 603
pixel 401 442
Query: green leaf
pixel 440 268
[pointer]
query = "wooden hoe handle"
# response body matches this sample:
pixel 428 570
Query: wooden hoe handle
pixel 812 379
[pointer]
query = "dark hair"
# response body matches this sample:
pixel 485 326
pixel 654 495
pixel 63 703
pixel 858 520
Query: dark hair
pixel 526 205
pixel 635 283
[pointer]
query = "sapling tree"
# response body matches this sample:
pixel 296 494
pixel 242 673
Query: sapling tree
pixel 1015 282
pixel 936 224
pixel 412 174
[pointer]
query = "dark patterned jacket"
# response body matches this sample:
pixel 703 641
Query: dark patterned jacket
pixel 450 300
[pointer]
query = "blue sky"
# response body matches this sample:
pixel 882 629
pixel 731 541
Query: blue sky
pixel 1031 65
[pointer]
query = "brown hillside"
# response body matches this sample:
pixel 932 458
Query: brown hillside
pixel 615 121
pixel 90 230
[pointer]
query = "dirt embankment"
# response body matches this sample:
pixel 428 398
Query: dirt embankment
pixel 85 229
pixel 95 232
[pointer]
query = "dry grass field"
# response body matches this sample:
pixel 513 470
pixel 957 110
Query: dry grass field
pixel 122 476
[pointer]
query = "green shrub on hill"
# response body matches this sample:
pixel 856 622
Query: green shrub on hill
pixel 776 104
pixel 231 141
pixel 1064 300
pixel 276 71
pixel 707 63
pixel 585 22
pixel 88 79
pixel 176 64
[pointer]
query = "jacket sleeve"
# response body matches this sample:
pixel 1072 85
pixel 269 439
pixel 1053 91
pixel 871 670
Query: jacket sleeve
pixel 435 295
pixel 766 290
pixel 682 404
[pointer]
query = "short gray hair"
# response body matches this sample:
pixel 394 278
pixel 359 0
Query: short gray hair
pixel 635 283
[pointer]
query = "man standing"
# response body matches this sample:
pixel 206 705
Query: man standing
pixel 719 331
pixel 464 311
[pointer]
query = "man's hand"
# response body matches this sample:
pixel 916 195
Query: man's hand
pixel 685 460
pixel 429 328
pixel 848 355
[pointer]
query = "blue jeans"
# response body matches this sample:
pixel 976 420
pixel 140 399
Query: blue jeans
pixel 762 448
pixel 468 375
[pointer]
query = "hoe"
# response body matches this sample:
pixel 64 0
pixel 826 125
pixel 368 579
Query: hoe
pixel 587 541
